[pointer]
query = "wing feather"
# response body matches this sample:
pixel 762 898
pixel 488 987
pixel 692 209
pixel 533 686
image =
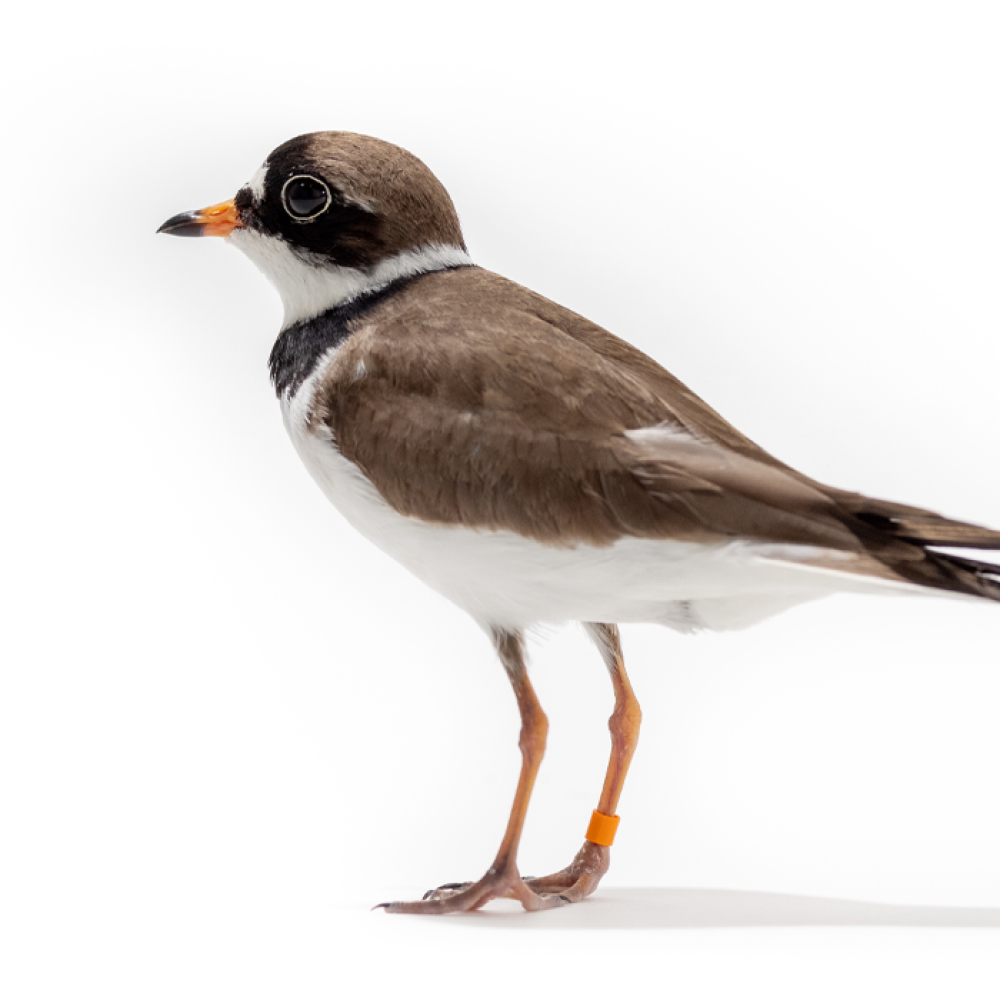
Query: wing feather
pixel 486 405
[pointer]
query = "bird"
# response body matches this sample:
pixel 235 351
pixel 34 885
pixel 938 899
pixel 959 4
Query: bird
pixel 531 466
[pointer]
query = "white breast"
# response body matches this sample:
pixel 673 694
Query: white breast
pixel 504 579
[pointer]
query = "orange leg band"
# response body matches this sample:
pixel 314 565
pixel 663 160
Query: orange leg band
pixel 602 829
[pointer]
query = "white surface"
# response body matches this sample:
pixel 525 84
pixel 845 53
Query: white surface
pixel 227 725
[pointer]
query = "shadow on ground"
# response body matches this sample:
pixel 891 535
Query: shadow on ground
pixel 691 908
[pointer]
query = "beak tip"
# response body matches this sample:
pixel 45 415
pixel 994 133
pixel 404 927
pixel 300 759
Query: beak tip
pixel 183 224
pixel 218 220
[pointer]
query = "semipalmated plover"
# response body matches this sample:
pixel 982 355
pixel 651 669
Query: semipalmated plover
pixel 528 464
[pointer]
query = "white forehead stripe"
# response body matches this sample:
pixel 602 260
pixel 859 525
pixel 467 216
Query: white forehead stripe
pixel 256 183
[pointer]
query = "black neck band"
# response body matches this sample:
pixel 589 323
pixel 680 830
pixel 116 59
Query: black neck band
pixel 299 348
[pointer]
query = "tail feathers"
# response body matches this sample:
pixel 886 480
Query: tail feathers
pixel 914 524
pixel 906 540
pixel 931 529
pixel 963 575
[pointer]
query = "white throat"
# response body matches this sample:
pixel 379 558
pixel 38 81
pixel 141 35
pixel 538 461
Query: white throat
pixel 309 289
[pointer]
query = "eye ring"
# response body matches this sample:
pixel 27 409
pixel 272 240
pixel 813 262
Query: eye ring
pixel 313 214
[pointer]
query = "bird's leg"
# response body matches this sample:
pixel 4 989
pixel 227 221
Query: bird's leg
pixel 502 878
pixel 585 871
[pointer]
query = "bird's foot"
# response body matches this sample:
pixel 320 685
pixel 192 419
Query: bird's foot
pixel 580 878
pixel 497 883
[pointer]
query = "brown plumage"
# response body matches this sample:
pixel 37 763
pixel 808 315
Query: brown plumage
pixel 515 417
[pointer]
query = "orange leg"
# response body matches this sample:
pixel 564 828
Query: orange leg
pixel 502 878
pixel 585 871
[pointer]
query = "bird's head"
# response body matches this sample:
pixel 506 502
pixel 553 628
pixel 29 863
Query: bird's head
pixel 331 215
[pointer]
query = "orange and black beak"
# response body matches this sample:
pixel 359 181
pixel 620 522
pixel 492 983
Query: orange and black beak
pixel 218 220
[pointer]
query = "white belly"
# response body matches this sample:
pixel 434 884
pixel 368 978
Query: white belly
pixel 503 579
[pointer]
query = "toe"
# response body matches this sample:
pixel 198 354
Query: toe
pixel 447 890
pixel 551 883
pixel 580 878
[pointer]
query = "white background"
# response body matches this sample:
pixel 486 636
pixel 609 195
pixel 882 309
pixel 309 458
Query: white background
pixel 228 726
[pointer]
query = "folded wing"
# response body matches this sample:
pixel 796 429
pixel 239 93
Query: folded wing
pixel 522 416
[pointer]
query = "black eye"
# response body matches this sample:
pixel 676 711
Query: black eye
pixel 305 197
